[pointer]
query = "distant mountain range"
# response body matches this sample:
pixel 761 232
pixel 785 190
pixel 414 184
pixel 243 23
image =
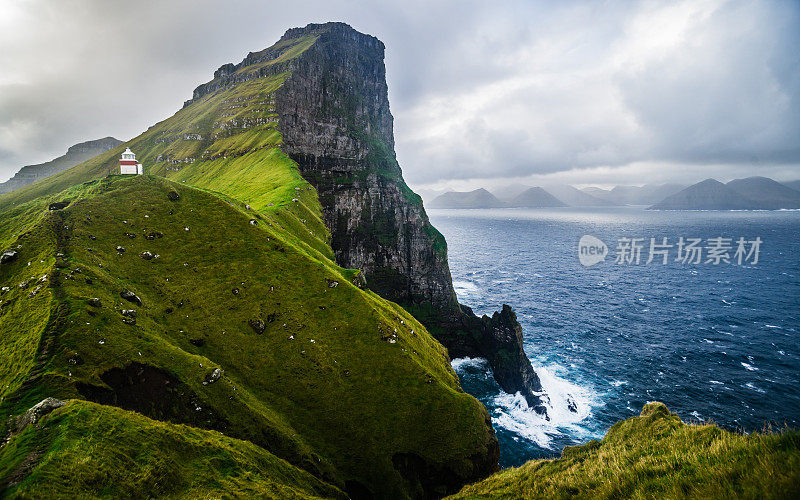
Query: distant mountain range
pixel 480 198
pixel 535 197
pixel 78 153
pixel 648 194
pixel 575 197
pixel 752 193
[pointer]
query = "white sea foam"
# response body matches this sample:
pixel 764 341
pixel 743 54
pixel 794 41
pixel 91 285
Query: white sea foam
pixel 514 414
pixel 511 411
pixel 460 364
pixel 753 387
pixel 749 367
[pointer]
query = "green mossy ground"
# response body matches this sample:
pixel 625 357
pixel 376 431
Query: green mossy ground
pixel 338 381
pixel 655 455
pixel 87 450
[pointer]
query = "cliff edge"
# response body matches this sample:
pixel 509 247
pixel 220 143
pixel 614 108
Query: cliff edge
pixel 336 125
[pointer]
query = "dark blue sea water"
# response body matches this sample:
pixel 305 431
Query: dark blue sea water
pixel 714 342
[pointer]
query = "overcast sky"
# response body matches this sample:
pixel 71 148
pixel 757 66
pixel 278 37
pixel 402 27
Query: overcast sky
pixel 483 93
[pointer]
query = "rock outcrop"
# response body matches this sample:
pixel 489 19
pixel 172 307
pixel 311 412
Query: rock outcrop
pixel 335 121
pixel 39 410
pixel 75 155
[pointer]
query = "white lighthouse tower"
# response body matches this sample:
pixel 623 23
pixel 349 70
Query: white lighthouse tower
pixel 128 164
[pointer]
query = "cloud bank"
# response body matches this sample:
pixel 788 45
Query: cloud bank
pixel 582 92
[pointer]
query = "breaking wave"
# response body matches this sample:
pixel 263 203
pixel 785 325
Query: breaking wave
pixel 569 406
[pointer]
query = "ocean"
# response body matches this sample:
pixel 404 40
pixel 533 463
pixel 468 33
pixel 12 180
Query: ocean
pixel 715 341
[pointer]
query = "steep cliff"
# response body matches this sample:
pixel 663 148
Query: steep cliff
pixel 76 154
pixel 239 320
pixel 287 195
pixel 334 118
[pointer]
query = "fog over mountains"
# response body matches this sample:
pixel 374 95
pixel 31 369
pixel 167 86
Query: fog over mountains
pixel 751 193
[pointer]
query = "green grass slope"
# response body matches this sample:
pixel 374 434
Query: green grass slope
pixel 330 377
pixel 246 326
pixel 85 450
pixel 226 141
pixel 655 455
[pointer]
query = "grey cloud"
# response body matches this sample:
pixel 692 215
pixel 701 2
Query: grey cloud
pixel 478 89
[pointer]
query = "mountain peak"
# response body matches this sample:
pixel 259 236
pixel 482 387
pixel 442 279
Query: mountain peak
pixel 103 144
pixel 282 56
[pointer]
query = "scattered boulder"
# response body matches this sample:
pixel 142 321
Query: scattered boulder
pixel 95 302
pixel 153 235
pixel 235 291
pixel 131 313
pixel 173 196
pixel 120 249
pixel 146 255
pixel 257 325
pixel 32 416
pixel 58 205
pixel 8 256
pixel 332 283
pixel 129 321
pixel 131 297
pixel 75 359
pixel 130 235
pixel 253 222
pixel 215 375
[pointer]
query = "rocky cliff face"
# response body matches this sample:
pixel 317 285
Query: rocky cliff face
pixel 75 154
pixel 336 124
pixel 335 120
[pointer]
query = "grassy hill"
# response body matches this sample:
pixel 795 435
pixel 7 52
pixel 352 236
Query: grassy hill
pixel 242 323
pixel 226 141
pixel 85 449
pixel 315 370
pixel 655 455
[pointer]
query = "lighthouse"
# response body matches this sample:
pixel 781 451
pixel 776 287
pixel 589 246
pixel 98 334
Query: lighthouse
pixel 128 165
